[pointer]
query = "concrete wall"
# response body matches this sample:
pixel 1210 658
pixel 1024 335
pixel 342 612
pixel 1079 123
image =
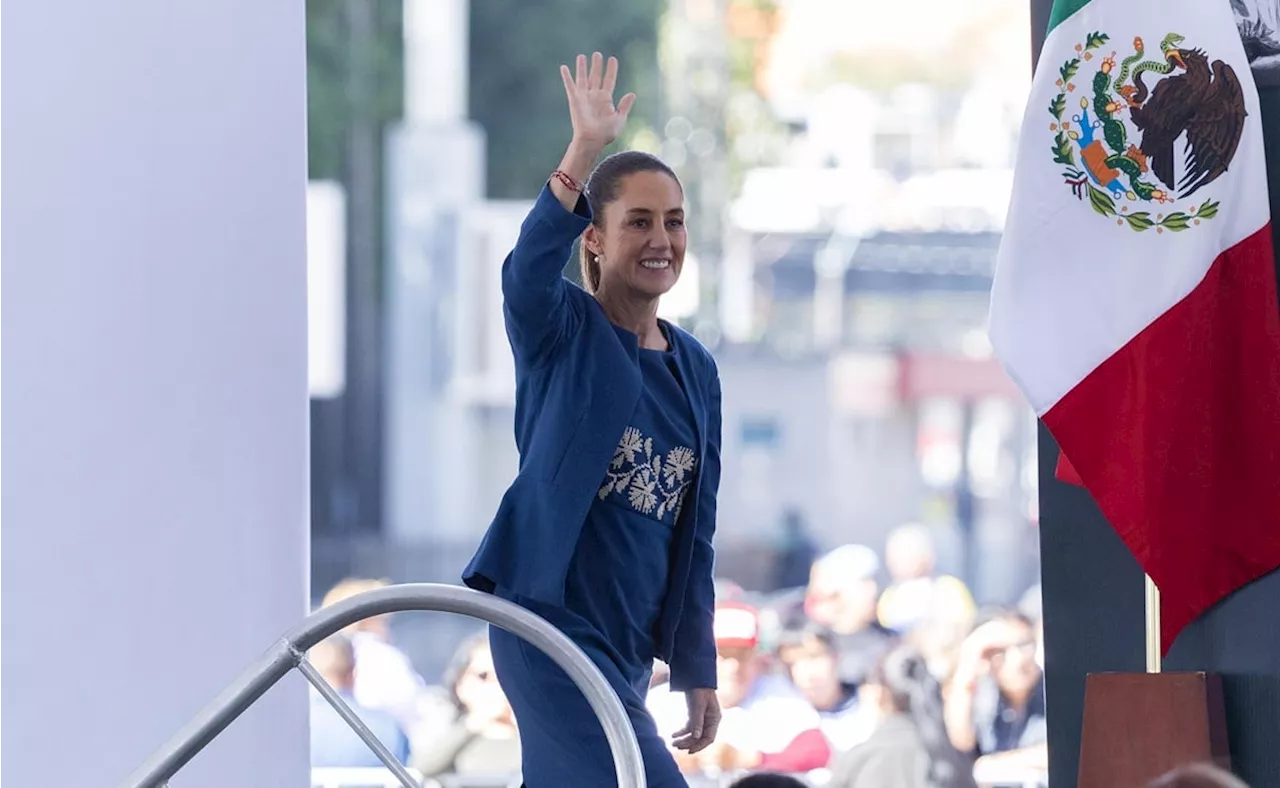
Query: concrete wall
pixel 154 323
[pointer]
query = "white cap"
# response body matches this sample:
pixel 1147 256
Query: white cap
pixel 851 562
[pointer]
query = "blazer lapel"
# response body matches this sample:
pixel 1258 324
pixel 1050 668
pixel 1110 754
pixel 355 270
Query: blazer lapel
pixel 692 385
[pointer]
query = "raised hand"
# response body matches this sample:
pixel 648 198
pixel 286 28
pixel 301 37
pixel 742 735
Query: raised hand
pixel 596 121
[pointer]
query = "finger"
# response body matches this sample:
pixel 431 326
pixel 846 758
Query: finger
pixel 699 744
pixel 709 732
pixel 624 106
pixel 683 743
pixel 567 78
pixel 695 726
pixel 687 736
pixel 610 75
pixel 580 79
pixel 596 74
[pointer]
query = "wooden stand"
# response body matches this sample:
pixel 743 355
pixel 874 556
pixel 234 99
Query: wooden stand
pixel 1139 726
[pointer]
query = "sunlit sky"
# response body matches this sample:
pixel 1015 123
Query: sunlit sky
pixel 991 35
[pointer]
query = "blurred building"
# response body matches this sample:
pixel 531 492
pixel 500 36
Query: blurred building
pixel 843 288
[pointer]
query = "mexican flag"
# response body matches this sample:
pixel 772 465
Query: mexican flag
pixel 1135 296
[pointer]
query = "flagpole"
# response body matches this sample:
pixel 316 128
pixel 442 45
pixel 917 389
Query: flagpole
pixel 1153 625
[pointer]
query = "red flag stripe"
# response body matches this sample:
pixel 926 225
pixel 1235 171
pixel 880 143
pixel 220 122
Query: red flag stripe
pixel 1177 436
pixel 1066 472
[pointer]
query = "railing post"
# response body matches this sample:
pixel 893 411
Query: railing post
pixel 352 719
pixel 286 655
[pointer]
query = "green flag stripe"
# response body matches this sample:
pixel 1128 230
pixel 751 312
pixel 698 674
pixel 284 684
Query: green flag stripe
pixel 1063 9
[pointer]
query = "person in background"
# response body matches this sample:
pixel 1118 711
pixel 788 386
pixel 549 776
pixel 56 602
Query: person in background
pixel 1031 605
pixel 768 780
pixel 910 747
pixel 728 591
pixel 995 700
pixel 385 678
pixel 811 658
pixel 796 552
pixel 939 642
pixel 916 594
pixel 482 739
pixel 766 723
pixel 1198 775
pixel 842 595
pixel 333 742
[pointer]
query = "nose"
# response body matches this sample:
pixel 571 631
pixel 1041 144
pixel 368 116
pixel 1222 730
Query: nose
pixel 659 239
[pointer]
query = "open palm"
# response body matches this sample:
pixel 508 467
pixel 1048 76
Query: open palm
pixel 595 118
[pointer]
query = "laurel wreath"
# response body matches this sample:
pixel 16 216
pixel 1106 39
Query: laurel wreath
pixel 1141 221
pixel 1100 200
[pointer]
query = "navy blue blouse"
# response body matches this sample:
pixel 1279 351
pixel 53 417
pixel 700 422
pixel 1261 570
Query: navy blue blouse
pixel 619 576
pixel 579 381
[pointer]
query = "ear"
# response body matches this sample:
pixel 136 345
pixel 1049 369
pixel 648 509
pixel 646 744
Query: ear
pixel 593 240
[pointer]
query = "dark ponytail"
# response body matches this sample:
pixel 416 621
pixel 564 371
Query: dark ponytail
pixel 602 189
pixel 916 694
pixel 589 266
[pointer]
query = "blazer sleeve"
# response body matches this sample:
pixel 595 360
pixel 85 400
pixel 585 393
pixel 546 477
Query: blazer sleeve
pixel 535 303
pixel 693 660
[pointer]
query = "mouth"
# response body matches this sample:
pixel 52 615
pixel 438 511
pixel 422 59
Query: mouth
pixel 655 264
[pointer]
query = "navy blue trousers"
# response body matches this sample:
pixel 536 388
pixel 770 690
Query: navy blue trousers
pixel 561 738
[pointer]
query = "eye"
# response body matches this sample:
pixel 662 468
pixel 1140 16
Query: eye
pixel 639 222
pixel 675 224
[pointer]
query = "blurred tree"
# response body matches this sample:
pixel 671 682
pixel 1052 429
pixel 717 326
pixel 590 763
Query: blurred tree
pixel 753 135
pixel 332 56
pixel 516 94
pixel 355 87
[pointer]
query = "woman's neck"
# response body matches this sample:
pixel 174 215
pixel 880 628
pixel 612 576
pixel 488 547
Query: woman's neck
pixel 640 317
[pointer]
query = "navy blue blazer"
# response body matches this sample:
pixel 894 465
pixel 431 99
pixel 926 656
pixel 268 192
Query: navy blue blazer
pixel 577 386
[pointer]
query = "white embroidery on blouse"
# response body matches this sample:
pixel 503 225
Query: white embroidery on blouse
pixel 649 483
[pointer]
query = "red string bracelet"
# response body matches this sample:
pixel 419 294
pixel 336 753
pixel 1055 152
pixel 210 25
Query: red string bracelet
pixel 569 183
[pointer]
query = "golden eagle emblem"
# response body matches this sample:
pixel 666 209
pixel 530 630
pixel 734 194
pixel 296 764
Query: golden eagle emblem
pixel 1194 112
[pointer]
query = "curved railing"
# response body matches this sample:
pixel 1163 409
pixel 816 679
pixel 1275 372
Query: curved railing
pixel 290 653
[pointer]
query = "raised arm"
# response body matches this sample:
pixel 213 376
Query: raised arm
pixel 533 288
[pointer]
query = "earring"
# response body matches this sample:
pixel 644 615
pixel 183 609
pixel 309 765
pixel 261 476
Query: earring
pixel 597 259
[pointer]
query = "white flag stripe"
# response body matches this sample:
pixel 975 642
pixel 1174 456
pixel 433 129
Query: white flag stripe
pixel 1071 286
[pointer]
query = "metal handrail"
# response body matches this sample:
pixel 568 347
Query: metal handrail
pixel 290 651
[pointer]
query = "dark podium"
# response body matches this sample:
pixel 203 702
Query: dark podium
pixel 1219 698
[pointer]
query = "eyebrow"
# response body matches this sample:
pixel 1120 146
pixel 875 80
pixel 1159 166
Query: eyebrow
pixel 647 212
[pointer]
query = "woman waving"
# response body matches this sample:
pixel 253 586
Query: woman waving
pixel 606 530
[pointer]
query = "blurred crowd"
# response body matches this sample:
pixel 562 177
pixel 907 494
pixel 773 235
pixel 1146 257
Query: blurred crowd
pixel 843 681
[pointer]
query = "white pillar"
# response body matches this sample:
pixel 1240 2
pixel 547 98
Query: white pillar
pixel 435 61
pixel 155 383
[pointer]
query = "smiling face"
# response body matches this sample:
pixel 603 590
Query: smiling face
pixel 813 668
pixel 641 236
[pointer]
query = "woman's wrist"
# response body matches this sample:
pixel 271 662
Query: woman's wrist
pixel 580 158
pixel 578 161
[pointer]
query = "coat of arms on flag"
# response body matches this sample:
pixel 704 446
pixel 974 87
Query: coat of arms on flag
pixel 1150 348
pixel 1149 130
